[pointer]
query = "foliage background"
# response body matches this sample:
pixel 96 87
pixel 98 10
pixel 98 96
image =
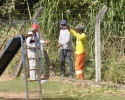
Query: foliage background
pixel 76 12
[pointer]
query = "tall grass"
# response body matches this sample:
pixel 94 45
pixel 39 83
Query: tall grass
pixel 85 11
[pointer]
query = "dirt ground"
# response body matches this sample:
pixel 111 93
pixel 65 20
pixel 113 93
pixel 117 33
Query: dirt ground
pixel 22 95
pixel 14 95
pixel 10 96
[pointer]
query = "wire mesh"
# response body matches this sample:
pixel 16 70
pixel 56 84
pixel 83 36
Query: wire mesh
pixel 112 48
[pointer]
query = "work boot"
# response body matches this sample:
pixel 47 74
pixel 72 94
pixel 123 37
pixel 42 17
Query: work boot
pixel 71 76
pixel 63 75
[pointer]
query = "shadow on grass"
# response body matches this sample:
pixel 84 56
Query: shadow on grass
pixel 4 98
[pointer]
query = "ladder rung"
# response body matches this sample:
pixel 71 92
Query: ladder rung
pixel 35 91
pixel 33 69
pixel 31 80
pixel 34 80
pixel 38 79
pixel 33 48
pixel 32 58
pixel 30 48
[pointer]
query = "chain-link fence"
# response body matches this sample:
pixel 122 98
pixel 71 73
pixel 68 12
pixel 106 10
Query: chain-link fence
pixel 112 48
pixel 112 51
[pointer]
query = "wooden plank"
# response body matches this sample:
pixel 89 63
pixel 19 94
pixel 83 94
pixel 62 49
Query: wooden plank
pixel 48 63
pixel 19 68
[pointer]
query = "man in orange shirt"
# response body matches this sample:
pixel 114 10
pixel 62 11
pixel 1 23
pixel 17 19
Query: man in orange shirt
pixel 80 50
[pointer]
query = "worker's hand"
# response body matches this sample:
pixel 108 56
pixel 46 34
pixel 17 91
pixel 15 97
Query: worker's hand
pixel 65 27
pixel 74 29
pixel 59 45
pixel 47 42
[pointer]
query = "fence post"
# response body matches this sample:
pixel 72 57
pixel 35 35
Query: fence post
pixel 98 44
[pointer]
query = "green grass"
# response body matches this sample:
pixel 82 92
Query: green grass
pixel 60 91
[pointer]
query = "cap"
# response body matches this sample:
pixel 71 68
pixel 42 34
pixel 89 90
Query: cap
pixel 80 27
pixel 63 22
pixel 35 26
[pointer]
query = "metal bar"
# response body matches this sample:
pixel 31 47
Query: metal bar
pixel 24 66
pixel 16 22
pixel 38 72
pixel 39 38
pixel 23 23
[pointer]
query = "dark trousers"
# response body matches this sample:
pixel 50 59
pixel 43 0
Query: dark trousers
pixel 66 54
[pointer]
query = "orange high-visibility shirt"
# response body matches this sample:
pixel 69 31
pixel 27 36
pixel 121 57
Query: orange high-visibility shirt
pixel 80 41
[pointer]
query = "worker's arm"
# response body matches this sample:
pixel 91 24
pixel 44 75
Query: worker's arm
pixel 42 41
pixel 73 32
pixel 79 36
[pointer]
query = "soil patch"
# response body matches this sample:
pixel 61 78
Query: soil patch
pixel 79 83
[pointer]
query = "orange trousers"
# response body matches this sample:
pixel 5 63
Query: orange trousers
pixel 79 65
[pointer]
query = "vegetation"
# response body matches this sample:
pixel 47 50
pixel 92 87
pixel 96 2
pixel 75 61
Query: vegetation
pixel 77 12
pixel 57 90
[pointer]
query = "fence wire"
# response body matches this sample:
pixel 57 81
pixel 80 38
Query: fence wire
pixel 112 48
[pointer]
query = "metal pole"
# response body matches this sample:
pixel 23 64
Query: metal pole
pixel 37 42
pixel 39 71
pixel 24 66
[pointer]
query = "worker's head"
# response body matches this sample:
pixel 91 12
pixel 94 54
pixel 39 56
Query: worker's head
pixel 63 24
pixel 80 28
pixel 34 28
